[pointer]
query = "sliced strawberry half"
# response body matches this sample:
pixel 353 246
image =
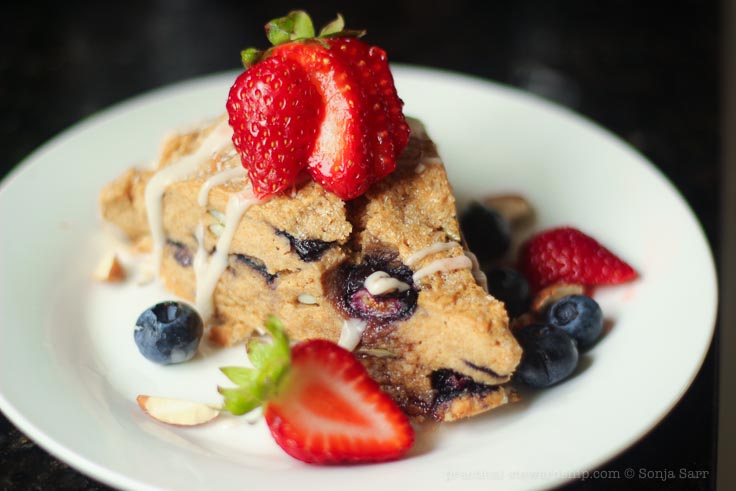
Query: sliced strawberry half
pixel 331 411
pixel 340 158
pixel 387 129
pixel 319 402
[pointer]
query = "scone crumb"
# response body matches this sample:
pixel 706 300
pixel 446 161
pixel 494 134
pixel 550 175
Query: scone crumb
pixel 145 276
pixel 143 245
pixel 109 269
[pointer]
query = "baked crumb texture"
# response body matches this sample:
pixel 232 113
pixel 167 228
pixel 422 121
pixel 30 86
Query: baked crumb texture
pixel 449 360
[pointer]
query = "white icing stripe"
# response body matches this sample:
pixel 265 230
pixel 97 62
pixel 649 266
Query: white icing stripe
pixel 381 282
pixel 478 274
pixel 434 248
pixel 220 178
pixel 444 265
pixel 352 330
pixel 208 272
pixel 178 171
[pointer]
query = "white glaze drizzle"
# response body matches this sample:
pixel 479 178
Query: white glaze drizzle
pixel 434 248
pixel 380 283
pixel 208 271
pixel 220 178
pixel 352 330
pixel 444 265
pixel 178 171
pixel 478 274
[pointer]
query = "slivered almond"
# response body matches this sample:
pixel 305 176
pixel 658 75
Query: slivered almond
pixel 177 412
pixel 547 296
pixel 109 270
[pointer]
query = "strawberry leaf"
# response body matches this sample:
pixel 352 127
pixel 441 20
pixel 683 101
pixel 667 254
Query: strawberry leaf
pixel 239 401
pixel 278 31
pixel 240 375
pixel 250 56
pixel 333 27
pixel 303 27
pixel 258 352
pixel 255 386
pixel 296 25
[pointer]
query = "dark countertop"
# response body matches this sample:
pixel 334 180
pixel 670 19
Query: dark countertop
pixel 647 71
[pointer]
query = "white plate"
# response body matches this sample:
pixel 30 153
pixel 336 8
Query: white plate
pixel 69 370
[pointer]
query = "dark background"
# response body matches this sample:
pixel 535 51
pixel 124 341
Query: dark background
pixel 647 70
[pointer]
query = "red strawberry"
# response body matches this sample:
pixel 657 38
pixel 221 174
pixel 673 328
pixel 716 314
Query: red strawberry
pixel 349 135
pixel 331 411
pixel 274 112
pixel 341 159
pixel 567 255
pixel 387 128
pixel 319 402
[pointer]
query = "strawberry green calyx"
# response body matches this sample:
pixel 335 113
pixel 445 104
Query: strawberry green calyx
pixel 296 26
pixel 255 386
pixel 250 56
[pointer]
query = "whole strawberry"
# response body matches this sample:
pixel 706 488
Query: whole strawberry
pixel 326 104
pixel 318 401
pixel 567 255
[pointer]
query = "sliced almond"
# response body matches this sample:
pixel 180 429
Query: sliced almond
pixel 177 412
pixel 549 295
pixel 513 207
pixel 109 270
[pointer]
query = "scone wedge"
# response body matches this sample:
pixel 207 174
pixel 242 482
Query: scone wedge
pixel 385 274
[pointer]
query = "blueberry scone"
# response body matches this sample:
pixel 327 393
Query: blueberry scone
pixel 385 274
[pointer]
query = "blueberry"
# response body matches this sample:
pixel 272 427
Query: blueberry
pixel 487 233
pixel 308 250
pixel 580 316
pixel 356 301
pixel 549 355
pixel 510 286
pixel 168 332
pixel 258 266
pixel 182 254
